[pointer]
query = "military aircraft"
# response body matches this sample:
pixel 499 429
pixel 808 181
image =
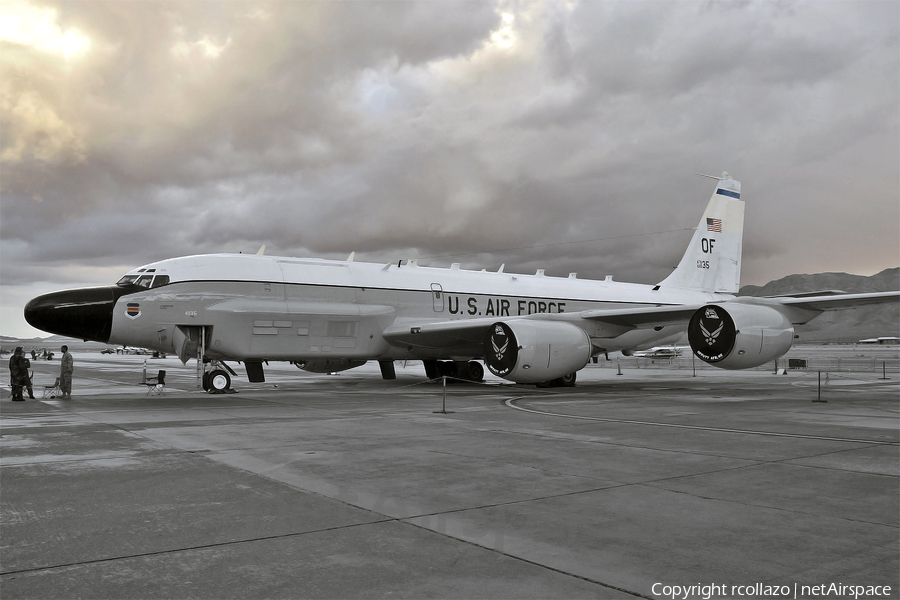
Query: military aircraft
pixel 659 352
pixel 328 315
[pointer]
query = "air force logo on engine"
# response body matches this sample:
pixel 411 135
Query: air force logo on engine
pixel 711 333
pixel 710 337
pixel 500 350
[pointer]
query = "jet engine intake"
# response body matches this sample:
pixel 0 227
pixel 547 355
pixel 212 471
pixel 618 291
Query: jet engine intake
pixel 739 336
pixel 532 351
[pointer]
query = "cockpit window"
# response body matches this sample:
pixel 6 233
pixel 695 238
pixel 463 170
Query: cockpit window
pixel 160 280
pixel 144 281
pixel 127 280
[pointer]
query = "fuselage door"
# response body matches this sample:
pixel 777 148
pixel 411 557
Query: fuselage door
pixel 186 341
pixel 437 296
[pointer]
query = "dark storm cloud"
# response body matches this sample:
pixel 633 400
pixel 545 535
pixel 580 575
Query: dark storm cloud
pixel 538 134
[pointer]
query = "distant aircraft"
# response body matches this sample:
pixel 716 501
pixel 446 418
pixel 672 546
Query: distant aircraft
pixel 327 315
pixel 659 352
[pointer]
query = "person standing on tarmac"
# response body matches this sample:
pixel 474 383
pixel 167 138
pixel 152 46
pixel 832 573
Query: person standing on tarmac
pixel 66 366
pixel 18 375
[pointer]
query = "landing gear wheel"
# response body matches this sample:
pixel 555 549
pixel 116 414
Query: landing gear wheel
pixel 564 381
pixel 448 368
pixel 476 371
pixel 431 369
pixel 218 381
pixel 567 380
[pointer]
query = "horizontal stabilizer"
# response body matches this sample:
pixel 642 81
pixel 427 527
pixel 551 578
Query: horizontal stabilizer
pixel 840 301
pixel 809 294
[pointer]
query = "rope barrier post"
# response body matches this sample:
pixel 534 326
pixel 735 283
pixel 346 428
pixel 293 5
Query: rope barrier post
pixel 819 396
pixel 884 370
pixel 444 410
pixel 618 366
pixel 144 376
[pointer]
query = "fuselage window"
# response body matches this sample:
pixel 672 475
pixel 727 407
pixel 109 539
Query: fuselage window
pixel 144 281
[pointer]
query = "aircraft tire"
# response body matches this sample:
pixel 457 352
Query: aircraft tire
pixel 567 380
pixel 448 368
pixel 476 371
pixel 219 381
pixel 431 369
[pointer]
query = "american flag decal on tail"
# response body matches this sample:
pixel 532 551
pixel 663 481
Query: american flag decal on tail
pixel 714 225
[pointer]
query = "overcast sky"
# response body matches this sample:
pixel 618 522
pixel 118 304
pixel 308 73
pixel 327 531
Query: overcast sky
pixel 473 132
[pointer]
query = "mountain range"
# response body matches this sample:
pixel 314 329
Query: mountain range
pixel 881 320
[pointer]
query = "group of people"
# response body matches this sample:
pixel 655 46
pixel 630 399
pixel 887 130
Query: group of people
pixel 21 380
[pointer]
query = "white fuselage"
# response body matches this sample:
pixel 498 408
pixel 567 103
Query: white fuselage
pixel 279 308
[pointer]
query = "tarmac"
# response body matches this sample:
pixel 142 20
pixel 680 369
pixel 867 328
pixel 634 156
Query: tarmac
pixel 653 484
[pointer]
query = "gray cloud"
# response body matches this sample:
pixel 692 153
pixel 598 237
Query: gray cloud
pixel 473 132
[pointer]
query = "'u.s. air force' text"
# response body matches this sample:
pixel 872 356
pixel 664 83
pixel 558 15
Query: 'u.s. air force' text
pixel 501 307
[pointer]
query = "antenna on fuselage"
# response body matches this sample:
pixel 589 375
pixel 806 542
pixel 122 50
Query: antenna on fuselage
pixel 261 251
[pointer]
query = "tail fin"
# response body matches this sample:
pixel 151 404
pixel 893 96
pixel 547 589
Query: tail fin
pixel 712 262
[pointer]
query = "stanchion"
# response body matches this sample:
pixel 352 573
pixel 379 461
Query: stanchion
pixel 819 396
pixel 618 366
pixel 144 376
pixel 883 371
pixel 444 410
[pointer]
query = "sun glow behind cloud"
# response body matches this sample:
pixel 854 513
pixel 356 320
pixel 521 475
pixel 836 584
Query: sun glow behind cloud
pixel 27 25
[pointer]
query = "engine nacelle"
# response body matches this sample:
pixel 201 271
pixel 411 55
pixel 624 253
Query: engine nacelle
pixel 527 351
pixel 739 336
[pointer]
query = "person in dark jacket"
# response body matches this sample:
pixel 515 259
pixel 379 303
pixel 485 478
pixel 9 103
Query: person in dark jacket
pixel 18 375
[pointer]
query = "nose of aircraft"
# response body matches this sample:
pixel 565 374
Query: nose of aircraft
pixel 84 313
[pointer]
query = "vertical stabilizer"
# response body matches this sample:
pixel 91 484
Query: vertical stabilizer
pixel 712 262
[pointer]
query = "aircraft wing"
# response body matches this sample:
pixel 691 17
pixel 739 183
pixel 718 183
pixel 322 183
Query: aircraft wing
pixel 460 335
pixel 644 317
pixel 467 336
pixel 655 316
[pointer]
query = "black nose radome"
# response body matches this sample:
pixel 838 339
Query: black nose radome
pixel 84 313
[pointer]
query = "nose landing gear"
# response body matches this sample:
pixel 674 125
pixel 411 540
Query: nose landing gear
pixel 216 379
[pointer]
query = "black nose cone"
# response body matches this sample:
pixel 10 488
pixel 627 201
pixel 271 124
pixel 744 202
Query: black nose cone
pixel 84 313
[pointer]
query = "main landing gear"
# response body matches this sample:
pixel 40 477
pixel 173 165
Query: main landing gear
pixel 468 371
pixel 564 381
